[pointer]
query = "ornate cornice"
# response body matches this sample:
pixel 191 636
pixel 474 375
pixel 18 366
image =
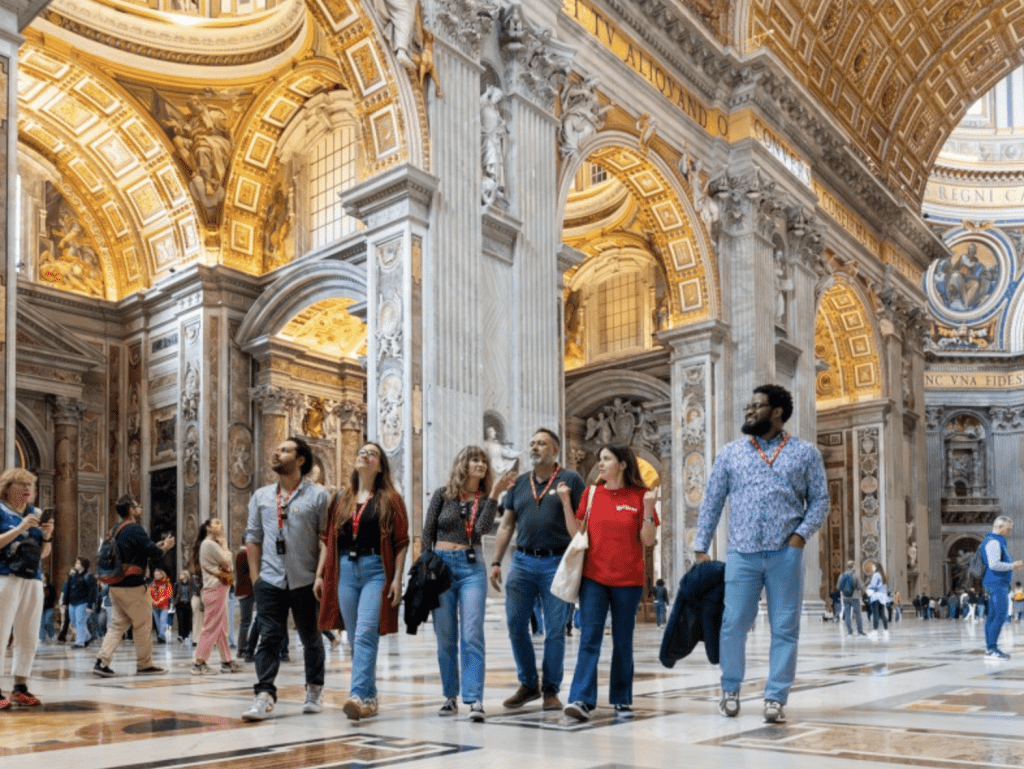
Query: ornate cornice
pixel 201 45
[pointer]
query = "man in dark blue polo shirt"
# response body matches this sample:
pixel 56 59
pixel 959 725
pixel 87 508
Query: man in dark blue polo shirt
pixel 534 511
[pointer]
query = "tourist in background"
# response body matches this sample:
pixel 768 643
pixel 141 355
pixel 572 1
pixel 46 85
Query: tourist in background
pixel 211 557
pixel 878 598
pixel 160 592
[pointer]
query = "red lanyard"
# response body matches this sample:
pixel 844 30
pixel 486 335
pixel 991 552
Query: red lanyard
pixel 472 517
pixel 356 515
pixel 281 505
pixel 538 497
pixel 785 440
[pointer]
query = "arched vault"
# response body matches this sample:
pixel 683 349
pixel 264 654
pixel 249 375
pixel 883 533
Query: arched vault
pixel 846 348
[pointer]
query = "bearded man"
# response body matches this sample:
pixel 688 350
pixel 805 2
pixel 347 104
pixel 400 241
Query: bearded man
pixel 778 498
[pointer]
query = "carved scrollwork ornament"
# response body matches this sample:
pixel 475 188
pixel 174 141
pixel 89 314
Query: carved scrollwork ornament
pixel 463 23
pixel 536 63
pixel 275 400
pixel 351 415
pixel 67 411
pixel 933 416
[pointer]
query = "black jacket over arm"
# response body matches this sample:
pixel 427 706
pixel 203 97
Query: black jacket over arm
pixel 696 614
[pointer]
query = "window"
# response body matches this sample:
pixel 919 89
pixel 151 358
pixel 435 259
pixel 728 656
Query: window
pixel 597 174
pixel 618 316
pixel 332 167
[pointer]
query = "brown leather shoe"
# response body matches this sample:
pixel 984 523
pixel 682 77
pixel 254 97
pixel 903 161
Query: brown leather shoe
pixel 523 695
pixel 551 701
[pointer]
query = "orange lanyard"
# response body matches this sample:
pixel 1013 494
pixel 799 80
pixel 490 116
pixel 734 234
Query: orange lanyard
pixel 785 440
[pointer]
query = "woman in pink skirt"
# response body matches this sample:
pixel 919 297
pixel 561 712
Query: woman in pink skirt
pixel 212 559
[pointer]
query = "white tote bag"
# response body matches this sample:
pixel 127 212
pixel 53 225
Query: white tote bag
pixel 566 582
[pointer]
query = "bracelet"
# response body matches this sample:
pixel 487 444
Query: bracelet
pixel 496 563
pixel 649 519
pixel 48 540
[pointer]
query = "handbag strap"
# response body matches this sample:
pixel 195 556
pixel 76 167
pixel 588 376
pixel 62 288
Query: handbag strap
pixel 590 504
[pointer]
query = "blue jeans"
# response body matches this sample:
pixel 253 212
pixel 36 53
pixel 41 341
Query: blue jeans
pixel 80 619
pixel 160 620
pixel 46 629
pixel 852 606
pixel 529 577
pixel 467 598
pixel 996 609
pixel 595 600
pixel 360 587
pixel 781 574
pixel 878 612
pixel 659 613
pixel 272 605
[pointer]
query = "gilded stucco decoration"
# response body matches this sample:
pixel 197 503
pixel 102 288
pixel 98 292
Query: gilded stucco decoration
pixel 664 212
pixel 898 75
pixel 328 329
pixel 845 348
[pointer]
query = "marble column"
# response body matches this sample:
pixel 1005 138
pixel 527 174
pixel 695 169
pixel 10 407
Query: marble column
pixel 67 415
pixel 272 406
pixel 697 364
pixel 395 207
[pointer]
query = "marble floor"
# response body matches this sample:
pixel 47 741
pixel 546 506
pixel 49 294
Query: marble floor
pixel 926 697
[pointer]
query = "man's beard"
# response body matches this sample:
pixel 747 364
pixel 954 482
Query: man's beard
pixel 760 427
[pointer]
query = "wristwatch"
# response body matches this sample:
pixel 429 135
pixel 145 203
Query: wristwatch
pixel 496 563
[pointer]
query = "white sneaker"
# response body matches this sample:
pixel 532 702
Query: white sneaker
pixel 773 712
pixel 873 635
pixel 262 708
pixel 314 699
pixel 476 712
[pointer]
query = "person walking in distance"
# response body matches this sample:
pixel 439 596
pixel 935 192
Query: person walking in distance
pixel 778 499
pixel 850 587
pixel 131 605
pixel 996 580
pixel 286 521
pixel 534 513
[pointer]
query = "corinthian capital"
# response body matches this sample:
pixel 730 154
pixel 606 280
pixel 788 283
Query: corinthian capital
pixel 65 411
pixel 274 400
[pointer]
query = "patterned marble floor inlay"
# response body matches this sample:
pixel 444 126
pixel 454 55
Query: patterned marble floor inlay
pixel 878 669
pixel 974 701
pixel 753 689
pixel 897 745
pixel 77 724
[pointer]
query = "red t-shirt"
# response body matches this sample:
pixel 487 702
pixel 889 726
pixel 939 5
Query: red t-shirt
pixel 616 554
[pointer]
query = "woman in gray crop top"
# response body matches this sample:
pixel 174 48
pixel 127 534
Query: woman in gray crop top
pixel 459 514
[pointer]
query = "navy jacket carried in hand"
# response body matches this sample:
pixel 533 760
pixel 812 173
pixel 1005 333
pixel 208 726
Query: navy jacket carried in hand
pixel 696 614
pixel 428 578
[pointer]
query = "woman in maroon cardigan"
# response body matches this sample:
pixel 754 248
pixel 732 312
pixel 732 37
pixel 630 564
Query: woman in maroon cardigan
pixel 359 577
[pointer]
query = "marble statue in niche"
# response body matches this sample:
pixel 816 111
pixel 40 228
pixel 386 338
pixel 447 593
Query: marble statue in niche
pixel 783 285
pixel 66 256
pixel 403 28
pixel 582 115
pixel 190 394
pixel 503 457
pixel 574 329
pixel 313 419
pixel 493 146
pixel 968 277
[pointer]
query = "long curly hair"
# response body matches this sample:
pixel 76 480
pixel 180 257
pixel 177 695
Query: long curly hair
pixel 384 492
pixel 460 472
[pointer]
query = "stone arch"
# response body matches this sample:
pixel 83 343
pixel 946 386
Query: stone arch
pixel 846 339
pixel 32 428
pixel 678 236
pixel 291 293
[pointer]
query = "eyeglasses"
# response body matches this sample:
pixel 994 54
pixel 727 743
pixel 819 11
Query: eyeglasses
pixel 755 406
pixel 368 453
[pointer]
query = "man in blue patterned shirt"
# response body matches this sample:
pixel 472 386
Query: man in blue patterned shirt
pixel 778 498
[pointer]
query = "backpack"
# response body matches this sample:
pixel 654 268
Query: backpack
pixel 846 584
pixel 978 565
pixel 109 568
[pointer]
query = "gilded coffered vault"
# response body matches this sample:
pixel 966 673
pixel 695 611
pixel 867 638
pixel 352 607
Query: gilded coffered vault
pixel 898 75
pixel 164 138
pixel 845 348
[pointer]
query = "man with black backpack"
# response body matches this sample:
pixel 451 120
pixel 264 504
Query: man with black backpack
pixel 129 596
pixel 850 587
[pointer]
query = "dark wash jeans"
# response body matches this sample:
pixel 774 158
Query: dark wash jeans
pixel 272 605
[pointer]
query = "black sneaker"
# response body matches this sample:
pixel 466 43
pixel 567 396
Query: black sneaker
pixel 623 711
pixel 102 670
pixel 152 670
pixel 578 710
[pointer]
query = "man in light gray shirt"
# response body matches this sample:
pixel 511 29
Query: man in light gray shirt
pixel 850 587
pixel 282 537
